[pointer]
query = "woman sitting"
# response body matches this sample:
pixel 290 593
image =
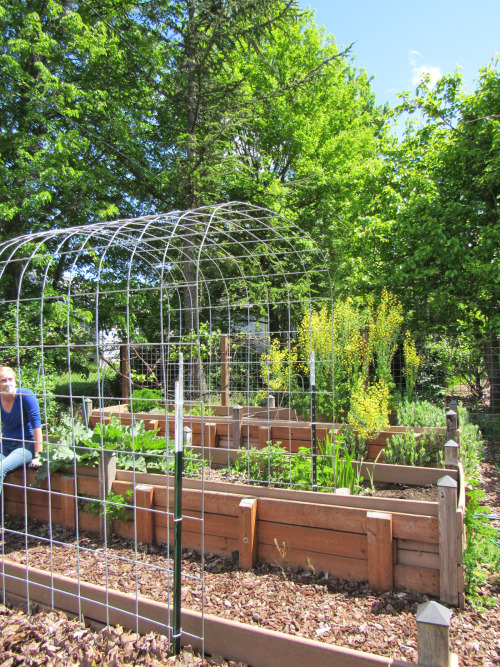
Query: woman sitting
pixel 21 425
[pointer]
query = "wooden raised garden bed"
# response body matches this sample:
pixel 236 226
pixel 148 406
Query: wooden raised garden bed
pixel 220 437
pixel 385 541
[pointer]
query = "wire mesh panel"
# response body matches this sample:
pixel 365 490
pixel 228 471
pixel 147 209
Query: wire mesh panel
pixel 96 322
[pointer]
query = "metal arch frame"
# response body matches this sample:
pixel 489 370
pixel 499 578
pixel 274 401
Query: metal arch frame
pixel 151 240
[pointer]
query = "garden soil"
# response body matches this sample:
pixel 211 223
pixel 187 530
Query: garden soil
pixel 304 603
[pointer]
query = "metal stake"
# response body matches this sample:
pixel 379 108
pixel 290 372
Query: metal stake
pixel 312 377
pixel 179 463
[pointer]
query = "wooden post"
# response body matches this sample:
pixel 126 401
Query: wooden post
pixel 125 370
pixel 88 407
pixel 188 436
pixel 107 474
pixel 210 435
pixel 447 518
pixel 145 519
pixel 451 454
pixel 433 629
pixel 452 426
pixel 264 436
pixel 224 376
pixel 248 533
pixel 237 412
pixel 68 502
pixel 379 539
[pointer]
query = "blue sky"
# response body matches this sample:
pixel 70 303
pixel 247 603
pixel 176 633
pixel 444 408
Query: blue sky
pixel 396 40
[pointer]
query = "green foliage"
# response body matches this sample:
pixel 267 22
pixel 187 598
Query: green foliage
pixel 135 448
pixel 145 400
pixel 115 507
pixel 335 466
pixel 471 447
pixel 107 386
pixel 200 410
pixel 420 413
pixel 273 466
pixel 439 223
pixel 269 466
pixel 423 413
pixel 482 553
pixel 199 344
pixel 409 450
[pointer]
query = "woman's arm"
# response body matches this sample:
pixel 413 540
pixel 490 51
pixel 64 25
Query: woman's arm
pixel 38 440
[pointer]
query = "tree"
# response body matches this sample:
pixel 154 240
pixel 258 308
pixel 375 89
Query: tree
pixel 310 152
pixel 436 241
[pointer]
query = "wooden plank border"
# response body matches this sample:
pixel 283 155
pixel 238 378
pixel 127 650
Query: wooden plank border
pixel 235 641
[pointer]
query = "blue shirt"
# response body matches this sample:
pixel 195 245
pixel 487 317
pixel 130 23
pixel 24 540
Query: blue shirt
pixel 25 414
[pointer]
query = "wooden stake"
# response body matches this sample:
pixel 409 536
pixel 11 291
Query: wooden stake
pixel 107 474
pixel 237 411
pixel 68 502
pixel 447 517
pixel 145 522
pixel 433 626
pixel 248 533
pixel 380 565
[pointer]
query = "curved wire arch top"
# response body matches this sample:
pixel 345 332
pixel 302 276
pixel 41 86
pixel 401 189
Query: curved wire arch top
pixel 231 268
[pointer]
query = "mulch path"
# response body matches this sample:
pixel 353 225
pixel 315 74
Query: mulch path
pixel 299 602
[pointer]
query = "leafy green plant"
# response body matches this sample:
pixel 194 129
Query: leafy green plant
pixel 420 413
pixel 335 466
pixel 145 400
pixel 482 554
pixel 471 448
pixel 136 449
pixel 115 507
pixel 406 449
pixel 269 465
pixel 423 413
pixel 200 410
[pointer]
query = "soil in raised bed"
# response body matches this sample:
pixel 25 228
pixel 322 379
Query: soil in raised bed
pixel 427 492
pixel 301 602
pixel 406 492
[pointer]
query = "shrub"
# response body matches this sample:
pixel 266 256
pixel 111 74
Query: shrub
pixel 145 400
pixel 108 386
pixel 420 413
pixel 406 449
pixel 369 408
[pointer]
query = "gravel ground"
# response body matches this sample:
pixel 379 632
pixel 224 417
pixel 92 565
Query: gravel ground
pixel 299 602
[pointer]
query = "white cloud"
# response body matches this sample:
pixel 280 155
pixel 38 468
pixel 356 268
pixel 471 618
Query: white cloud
pixel 420 70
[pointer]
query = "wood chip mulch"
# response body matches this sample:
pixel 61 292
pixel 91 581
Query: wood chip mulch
pixel 299 602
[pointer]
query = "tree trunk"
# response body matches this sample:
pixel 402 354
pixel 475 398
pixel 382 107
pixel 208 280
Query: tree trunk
pixel 491 353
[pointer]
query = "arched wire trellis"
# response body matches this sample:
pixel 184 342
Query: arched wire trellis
pixel 237 292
